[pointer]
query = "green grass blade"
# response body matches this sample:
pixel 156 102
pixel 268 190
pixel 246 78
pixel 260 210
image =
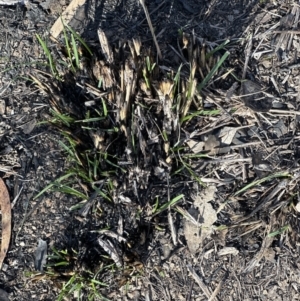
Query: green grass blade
pixel 156 205
pixel 105 196
pixel 44 190
pixel 114 165
pixel 53 184
pixel 279 231
pixel 65 119
pixel 78 38
pixel 65 289
pixel 61 264
pixel 191 156
pixel 75 51
pixel 70 190
pixel 148 64
pixel 198 113
pixel 147 81
pixel 104 107
pixel 169 204
pixel 67 43
pixel 92 119
pixel 220 47
pixel 177 77
pixel 48 54
pixel 98 282
pixel 213 71
pixel 260 181
pixel 67 149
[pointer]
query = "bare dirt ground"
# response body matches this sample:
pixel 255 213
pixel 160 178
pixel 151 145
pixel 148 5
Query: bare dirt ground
pixel 234 234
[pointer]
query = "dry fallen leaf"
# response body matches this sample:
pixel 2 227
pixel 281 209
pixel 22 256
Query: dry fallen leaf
pixel 196 146
pixel 228 250
pixel 227 134
pixel 207 216
pixel 6 220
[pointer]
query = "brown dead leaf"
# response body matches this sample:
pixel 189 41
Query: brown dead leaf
pixel 205 215
pixel 6 220
pixel 196 146
pixel 227 134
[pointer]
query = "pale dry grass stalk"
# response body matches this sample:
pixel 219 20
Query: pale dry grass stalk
pixel 151 28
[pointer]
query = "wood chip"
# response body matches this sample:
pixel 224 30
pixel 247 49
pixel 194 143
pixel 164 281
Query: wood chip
pixel 106 49
pixel 66 16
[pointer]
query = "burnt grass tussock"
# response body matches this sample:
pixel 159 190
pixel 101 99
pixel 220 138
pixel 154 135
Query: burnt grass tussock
pixel 171 170
pixel 126 142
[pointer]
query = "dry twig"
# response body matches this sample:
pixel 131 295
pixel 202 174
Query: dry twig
pixel 200 282
pixel 151 28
